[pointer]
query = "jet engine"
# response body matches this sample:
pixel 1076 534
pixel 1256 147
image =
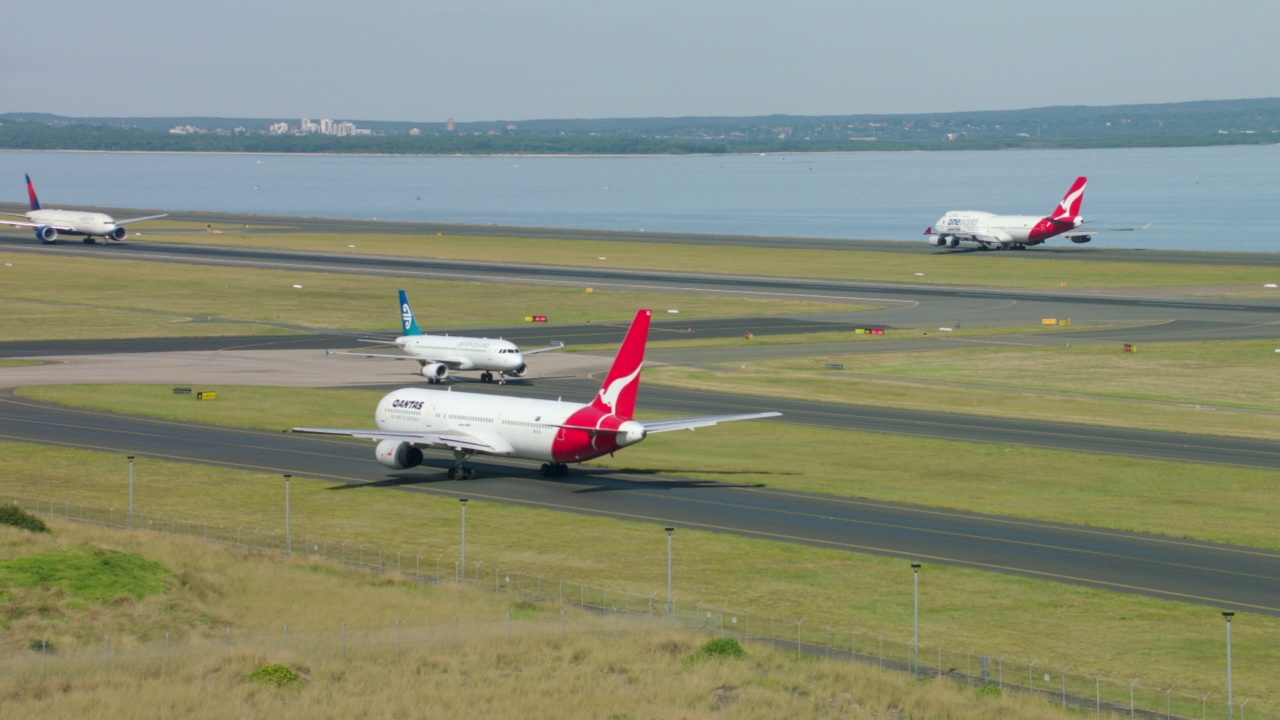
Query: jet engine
pixel 953 241
pixel 1080 239
pixel 398 455
pixel 44 233
pixel 938 240
pixel 119 234
pixel 520 371
pixel 435 372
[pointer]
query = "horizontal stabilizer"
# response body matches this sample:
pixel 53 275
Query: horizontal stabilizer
pixel 659 426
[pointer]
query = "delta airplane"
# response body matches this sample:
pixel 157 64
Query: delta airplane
pixel 553 431
pixel 91 225
pixel 994 232
pixel 438 354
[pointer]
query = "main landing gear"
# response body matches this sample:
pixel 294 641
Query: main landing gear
pixel 488 377
pixel 460 471
pixel 554 469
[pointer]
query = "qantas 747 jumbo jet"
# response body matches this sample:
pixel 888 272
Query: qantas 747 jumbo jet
pixel 994 232
pixel 50 223
pixel 553 431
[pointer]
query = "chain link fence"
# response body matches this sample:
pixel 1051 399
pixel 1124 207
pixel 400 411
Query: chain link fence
pixel 605 609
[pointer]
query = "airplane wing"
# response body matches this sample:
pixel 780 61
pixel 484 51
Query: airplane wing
pixel 451 363
pixel 372 355
pixel 453 440
pixel 657 426
pixel 1081 231
pixel 660 426
pixel 983 237
pixel 134 220
pixel 15 223
pixel 557 346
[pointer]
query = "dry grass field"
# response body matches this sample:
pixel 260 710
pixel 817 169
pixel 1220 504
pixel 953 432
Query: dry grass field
pixel 584 667
pixel 986 269
pixel 766 585
pixel 126 298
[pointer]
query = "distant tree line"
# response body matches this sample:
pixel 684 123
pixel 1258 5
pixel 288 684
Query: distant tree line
pixel 1232 122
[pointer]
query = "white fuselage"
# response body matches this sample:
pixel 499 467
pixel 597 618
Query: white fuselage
pixel 513 426
pixel 75 222
pixel 464 353
pixel 1006 229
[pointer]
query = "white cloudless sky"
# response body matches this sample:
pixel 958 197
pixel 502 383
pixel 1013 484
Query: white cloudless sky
pixel 426 60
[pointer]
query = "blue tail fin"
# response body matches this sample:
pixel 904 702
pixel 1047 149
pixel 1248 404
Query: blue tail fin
pixel 31 193
pixel 407 321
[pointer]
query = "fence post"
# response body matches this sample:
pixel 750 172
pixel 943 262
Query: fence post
pixel 106 652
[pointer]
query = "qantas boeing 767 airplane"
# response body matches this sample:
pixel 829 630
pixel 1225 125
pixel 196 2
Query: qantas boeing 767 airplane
pixel 993 232
pixel 49 223
pixel 553 431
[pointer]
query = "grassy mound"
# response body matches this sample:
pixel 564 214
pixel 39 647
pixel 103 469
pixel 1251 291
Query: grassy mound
pixel 86 572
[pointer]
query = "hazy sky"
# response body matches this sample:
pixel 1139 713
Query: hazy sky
pixel 427 60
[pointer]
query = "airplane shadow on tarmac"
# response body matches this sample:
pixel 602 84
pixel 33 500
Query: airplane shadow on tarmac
pixel 591 481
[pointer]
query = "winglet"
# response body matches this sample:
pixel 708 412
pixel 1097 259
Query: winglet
pixel 1069 208
pixel 31 193
pixel 407 321
pixel 621 386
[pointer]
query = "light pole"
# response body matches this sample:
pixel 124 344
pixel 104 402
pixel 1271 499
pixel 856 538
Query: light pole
pixel 288 540
pixel 670 601
pixel 915 636
pixel 1231 708
pixel 130 491
pixel 463 563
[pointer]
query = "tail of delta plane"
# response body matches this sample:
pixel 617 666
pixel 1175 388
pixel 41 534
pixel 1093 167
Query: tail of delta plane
pixel 408 322
pixel 621 386
pixel 1069 208
pixel 31 194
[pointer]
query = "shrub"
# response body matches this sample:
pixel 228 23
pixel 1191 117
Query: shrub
pixel 989 691
pixel 19 518
pixel 40 645
pixel 717 648
pixel 277 675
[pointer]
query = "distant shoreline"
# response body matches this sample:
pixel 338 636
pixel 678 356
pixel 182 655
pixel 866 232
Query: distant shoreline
pixel 638 156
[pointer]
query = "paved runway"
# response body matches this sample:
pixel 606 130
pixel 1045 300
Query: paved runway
pixel 1098 250
pixel 1197 572
pixel 1218 575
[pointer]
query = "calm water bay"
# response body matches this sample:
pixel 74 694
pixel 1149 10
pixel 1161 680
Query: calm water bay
pixel 1197 198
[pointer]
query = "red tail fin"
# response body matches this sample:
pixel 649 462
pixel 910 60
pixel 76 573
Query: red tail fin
pixel 31 194
pixel 1069 208
pixel 618 394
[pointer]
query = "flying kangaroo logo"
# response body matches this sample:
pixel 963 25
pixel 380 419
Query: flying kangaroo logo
pixel 1072 200
pixel 406 315
pixel 609 395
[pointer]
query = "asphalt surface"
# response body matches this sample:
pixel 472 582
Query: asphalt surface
pixel 1197 572
pixel 1218 575
pixel 1054 249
